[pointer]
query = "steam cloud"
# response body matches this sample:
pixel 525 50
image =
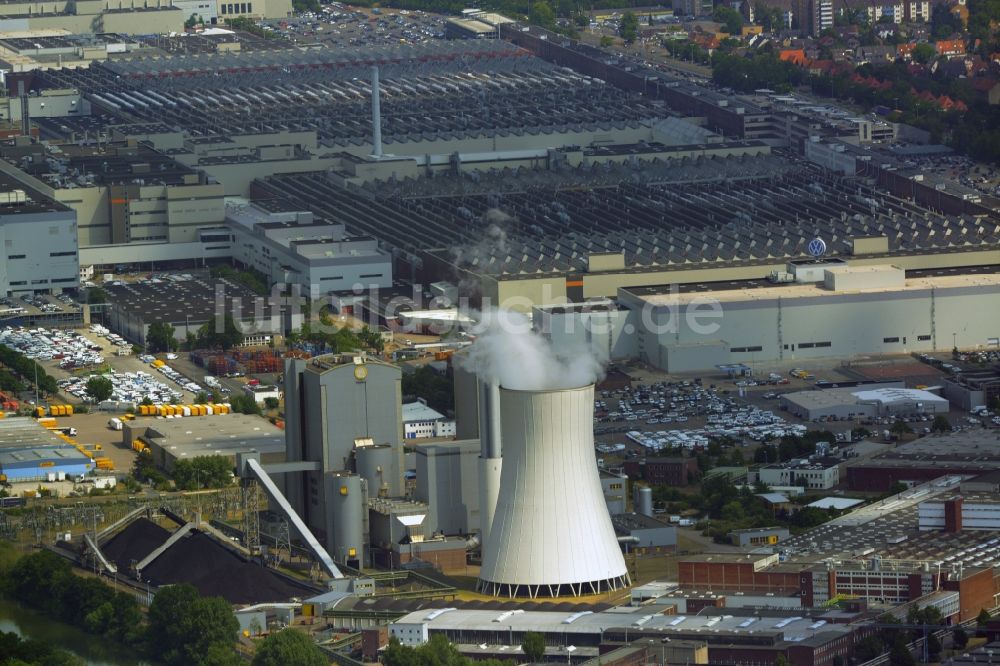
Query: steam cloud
pixel 508 352
pixel 494 240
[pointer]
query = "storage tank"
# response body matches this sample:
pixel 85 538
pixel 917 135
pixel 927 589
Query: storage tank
pixel 551 534
pixel 642 500
pixel 379 467
pixel 347 506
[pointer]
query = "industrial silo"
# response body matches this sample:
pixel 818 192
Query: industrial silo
pixel 551 534
pixel 642 500
pixel 379 465
pixel 347 510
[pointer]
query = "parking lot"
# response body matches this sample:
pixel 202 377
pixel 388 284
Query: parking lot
pixel 68 349
pixel 343 25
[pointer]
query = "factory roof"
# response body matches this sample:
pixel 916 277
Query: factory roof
pixel 774 498
pixel 645 618
pixel 418 411
pixel 890 395
pixel 838 503
pixel 738 294
pixel 25 433
pixel 327 362
pixel 812 462
pixel 969 449
pixel 18 198
pixel 35 455
pixel 213 435
pixel 627 522
pixel 182 299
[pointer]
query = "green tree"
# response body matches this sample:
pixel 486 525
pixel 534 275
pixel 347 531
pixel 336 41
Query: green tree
pixel 210 336
pixel 96 296
pixel 983 617
pixel 628 29
pixel 923 53
pixel 201 398
pixel 289 647
pixel 781 660
pixel 900 428
pixel 731 19
pixel 372 339
pixel 533 646
pixel 244 404
pixel 100 388
pixel 271 403
pixel 899 654
pixel 606 41
pixel 897 487
pixel 160 337
pixel 184 626
pixel 941 424
pixel 542 14
pixel 426 383
pixel 959 638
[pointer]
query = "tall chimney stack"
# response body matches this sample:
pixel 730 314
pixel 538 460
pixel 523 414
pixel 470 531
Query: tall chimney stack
pixel 376 116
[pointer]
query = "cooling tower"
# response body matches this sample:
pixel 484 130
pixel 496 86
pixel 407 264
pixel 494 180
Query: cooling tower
pixel 551 534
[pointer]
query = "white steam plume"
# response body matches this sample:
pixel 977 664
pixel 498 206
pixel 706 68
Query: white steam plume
pixel 508 352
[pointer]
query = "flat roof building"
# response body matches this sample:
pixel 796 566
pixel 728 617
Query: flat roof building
pixel 39 236
pixel 36 464
pixel 173 439
pixel 868 401
pixel 187 302
pixel 970 452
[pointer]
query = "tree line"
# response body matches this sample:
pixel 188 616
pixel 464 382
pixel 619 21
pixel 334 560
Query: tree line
pixel 182 627
pixel 26 369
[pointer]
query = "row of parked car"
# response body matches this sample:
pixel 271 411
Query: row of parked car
pixel 70 348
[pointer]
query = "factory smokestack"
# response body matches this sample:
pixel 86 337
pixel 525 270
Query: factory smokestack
pixel 490 460
pixel 551 534
pixel 376 116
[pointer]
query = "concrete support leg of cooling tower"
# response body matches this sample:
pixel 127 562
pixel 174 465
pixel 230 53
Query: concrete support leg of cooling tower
pixel 489 492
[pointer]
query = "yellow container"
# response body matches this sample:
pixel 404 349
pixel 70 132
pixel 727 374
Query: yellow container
pixel 39 412
pixel 69 410
pixel 161 410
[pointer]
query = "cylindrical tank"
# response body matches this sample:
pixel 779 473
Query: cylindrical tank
pixel 379 467
pixel 347 504
pixel 551 534
pixel 642 499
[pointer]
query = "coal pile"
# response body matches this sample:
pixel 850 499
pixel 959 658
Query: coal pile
pixel 216 570
pixel 134 543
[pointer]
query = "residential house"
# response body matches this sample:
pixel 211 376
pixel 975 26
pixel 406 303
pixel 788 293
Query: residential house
pixel 950 47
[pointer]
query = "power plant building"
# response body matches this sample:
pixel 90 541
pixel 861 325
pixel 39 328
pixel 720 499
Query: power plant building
pixel 343 415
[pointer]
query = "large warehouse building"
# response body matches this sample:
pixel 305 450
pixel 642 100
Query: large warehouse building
pixel 863 402
pixel 971 452
pixel 865 309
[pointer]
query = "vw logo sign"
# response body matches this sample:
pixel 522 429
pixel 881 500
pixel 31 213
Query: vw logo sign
pixel 816 247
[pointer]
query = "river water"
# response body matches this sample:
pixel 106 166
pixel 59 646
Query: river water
pixel 95 651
